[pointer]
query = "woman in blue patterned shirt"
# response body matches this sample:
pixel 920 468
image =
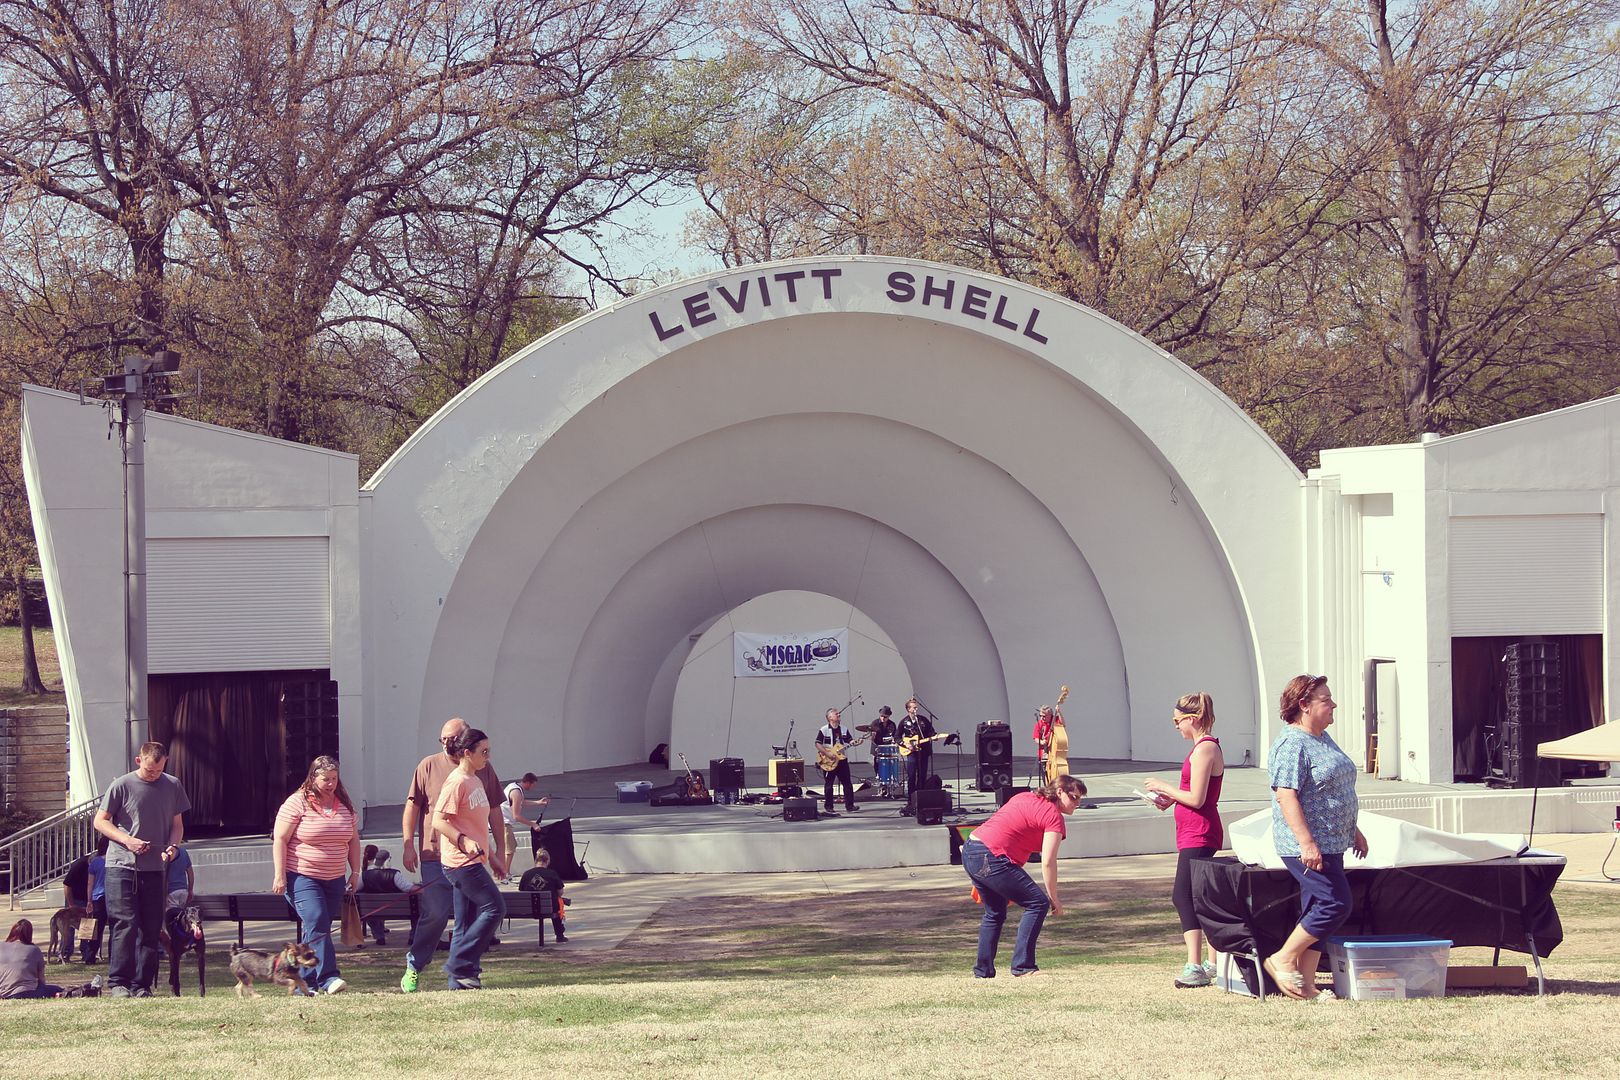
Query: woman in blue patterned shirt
pixel 1313 822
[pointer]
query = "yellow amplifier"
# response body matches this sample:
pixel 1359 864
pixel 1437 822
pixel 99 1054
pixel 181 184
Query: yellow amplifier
pixel 783 772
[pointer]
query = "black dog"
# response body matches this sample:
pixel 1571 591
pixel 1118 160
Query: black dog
pixel 183 933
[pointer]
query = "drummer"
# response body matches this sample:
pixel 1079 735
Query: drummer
pixel 882 731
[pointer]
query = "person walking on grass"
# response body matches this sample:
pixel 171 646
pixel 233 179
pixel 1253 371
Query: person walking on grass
pixel 317 839
pixel 1198 821
pixel 994 859
pixel 141 817
pixel 1313 823
pixel 437 896
pixel 462 819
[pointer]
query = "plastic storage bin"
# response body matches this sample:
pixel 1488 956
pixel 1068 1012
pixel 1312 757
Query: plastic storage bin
pixel 1388 966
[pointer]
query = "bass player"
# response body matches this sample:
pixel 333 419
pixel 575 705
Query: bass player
pixel 832 739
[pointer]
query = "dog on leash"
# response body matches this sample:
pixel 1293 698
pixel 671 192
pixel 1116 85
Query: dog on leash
pixel 182 933
pixel 64 931
pixel 285 968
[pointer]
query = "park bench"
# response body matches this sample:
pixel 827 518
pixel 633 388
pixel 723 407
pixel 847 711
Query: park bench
pixel 243 908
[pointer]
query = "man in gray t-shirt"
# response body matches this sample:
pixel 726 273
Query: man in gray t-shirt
pixel 141 815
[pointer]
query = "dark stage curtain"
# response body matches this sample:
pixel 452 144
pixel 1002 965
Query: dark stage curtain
pixel 227 744
pixel 1479 697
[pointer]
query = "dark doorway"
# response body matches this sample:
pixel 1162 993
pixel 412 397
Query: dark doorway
pixel 1479 699
pixel 240 741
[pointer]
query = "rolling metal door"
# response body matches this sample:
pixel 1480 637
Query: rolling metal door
pixel 259 603
pixel 1538 574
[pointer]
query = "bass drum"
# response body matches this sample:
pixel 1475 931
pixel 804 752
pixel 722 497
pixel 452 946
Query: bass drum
pixel 886 762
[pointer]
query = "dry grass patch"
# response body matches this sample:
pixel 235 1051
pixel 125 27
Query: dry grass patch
pixel 774 986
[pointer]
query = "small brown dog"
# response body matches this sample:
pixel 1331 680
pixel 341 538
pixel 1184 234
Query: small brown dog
pixel 64 929
pixel 285 968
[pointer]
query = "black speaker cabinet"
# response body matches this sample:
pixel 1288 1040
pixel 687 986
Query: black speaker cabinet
pixel 799 810
pixel 931 806
pixel 1007 791
pixel 994 745
pixel 726 773
pixel 994 777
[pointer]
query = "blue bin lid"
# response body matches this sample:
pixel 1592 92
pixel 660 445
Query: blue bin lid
pixel 1387 941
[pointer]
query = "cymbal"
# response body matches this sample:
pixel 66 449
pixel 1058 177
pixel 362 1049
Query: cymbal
pixel 864 727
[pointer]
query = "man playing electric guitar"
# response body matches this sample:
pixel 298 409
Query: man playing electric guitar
pixel 831 742
pixel 917 747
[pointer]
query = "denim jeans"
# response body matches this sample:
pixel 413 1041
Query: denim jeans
pixel 479 911
pixel 1000 883
pixel 1324 895
pixel 315 901
pixel 432 912
pixel 135 909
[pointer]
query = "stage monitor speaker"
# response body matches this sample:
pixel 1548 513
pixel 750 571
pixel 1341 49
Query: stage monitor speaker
pixel 799 810
pixel 1007 791
pixel 932 803
pixel 726 773
pixel 780 772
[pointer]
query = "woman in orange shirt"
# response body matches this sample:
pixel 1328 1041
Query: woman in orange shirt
pixel 317 838
pixel 462 820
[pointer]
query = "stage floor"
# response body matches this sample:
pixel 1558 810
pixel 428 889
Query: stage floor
pixel 636 838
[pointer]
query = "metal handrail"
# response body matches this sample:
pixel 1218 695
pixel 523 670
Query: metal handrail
pixel 40 854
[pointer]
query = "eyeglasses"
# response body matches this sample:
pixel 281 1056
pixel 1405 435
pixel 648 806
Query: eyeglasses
pixel 1175 721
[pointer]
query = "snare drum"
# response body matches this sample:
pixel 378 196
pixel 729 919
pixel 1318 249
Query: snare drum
pixel 886 760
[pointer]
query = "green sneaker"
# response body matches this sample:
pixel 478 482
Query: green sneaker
pixel 407 982
pixel 1192 975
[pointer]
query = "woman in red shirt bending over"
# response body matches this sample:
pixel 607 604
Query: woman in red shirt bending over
pixel 994 859
pixel 1198 820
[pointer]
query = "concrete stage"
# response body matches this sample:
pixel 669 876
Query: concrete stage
pixel 635 838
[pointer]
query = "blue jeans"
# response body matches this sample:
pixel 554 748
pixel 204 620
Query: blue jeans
pixel 1001 883
pixel 1324 895
pixel 315 902
pixel 432 912
pixel 135 909
pixel 479 911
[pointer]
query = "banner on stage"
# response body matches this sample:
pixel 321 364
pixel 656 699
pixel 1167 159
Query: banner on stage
pixel 813 653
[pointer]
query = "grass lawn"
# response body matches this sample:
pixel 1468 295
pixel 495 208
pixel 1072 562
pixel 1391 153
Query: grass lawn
pixel 50 672
pixel 859 985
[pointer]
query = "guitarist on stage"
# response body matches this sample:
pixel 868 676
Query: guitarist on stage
pixel 833 735
pixel 916 731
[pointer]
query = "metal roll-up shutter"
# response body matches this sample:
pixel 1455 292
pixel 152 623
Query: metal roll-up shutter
pixel 1539 574
pixel 260 603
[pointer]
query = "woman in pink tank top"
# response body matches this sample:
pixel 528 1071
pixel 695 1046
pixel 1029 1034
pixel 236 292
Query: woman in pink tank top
pixel 1198 820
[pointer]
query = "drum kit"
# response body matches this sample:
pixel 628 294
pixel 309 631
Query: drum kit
pixel 891 776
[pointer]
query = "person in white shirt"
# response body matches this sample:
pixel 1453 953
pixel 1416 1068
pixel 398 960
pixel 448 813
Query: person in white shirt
pixel 512 813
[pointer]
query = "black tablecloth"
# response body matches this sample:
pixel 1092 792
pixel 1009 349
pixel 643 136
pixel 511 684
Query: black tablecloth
pixel 1503 903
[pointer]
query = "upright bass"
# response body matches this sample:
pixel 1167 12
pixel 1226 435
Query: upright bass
pixel 1057 741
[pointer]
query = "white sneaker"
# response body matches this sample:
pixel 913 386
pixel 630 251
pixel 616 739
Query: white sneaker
pixel 336 986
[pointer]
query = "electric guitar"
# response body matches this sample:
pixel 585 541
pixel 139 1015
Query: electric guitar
pixel 695 791
pixel 910 744
pixel 830 755
pixel 1057 741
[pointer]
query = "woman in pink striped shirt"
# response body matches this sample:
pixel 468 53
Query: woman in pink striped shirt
pixel 317 837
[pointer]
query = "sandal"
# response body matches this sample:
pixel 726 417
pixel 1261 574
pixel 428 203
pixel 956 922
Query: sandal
pixel 1290 982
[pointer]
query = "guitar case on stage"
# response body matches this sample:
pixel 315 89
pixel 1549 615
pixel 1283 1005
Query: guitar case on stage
pixel 683 792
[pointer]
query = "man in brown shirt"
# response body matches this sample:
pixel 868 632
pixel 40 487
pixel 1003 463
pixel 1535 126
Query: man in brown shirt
pixel 436 895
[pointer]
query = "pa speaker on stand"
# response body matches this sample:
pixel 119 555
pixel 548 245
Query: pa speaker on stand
pixel 994 741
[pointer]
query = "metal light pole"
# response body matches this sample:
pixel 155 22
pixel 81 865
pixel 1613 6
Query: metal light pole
pixel 137 375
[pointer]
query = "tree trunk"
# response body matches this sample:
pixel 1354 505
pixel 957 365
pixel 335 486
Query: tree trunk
pixel 31 682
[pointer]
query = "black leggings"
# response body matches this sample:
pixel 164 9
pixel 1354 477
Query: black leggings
pixel 1181 894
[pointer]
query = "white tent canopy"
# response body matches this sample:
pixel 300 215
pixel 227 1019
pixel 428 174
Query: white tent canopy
pixel 1601 743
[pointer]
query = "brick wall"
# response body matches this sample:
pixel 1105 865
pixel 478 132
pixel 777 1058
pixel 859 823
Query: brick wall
pixel 34 760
